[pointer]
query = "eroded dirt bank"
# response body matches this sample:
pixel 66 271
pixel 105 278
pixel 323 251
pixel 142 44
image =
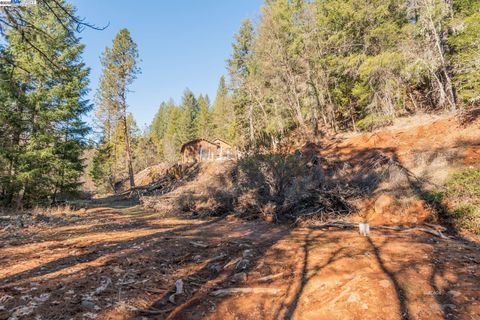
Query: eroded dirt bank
pixel 124 264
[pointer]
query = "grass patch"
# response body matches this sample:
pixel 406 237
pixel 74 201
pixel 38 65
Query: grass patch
pixel 374 121
pixel 465 184
pixel 467 217
pixel 463 194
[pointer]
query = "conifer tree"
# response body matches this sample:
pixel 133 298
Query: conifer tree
pixel 46 104
pixel 189 119
pixel 203 121
pixel 222 113
pixel 159 126
pixel 120 69
pixel 242 73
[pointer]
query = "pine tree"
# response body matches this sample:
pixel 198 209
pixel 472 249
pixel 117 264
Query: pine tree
pixel 175 134
pixel 120 69
pixel 190 111
pixel 222 113
pixel 48 85
pixel 203 120
pixel 242 72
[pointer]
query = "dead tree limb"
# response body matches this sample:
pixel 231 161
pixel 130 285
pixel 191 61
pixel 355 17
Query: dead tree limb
pixel 346 225
pixel 225 292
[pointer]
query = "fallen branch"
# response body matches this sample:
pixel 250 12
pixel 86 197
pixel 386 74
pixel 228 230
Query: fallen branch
pixel 225 292
pixel 270 277
pixel 217 258
pixel 153 311
pixel 199 244
pixel 346 225
pixel 231 263
pixel 401 229
pixel 436 227
pixel 339 224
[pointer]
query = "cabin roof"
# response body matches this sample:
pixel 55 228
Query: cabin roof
pixel 222 141
pixel 202 139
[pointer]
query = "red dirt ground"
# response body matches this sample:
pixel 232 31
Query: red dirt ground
pixel 122 262
pixel 431 134
pixel 58 272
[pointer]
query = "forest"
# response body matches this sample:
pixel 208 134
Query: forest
pixel 315 66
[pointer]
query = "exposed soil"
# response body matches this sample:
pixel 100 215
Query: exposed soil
pixel 118 260
pixel 419 142
pixel 123 264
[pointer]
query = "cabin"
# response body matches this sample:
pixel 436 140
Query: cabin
pixel 204 150
pixel 225 150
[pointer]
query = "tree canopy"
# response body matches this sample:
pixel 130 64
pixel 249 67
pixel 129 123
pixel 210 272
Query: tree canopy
pixel 42 108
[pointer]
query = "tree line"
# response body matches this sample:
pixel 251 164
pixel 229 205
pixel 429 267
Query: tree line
pixel 307 66
pixel 331 65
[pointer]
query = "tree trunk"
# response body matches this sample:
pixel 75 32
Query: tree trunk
pixel 250 123
pixel 297 105
pixel 448 87
pixel 128 152
pixel 19 199
pixel 317 107
pixel 352 117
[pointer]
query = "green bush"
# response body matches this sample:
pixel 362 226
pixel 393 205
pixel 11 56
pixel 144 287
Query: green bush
pixel 373 122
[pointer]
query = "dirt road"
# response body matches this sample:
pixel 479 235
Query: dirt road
pixel 124 263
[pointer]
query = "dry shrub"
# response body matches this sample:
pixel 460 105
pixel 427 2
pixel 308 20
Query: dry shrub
pixel 200 189
pixel 186 202
pixel 286 187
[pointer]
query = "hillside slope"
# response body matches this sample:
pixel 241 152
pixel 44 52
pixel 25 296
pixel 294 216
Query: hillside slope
pixel 425 153
pixel 393 176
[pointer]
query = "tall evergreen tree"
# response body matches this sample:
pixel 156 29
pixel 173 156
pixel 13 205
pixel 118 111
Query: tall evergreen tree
pixel 242 72
pixel 120 69
pixel 47 102
pixel 175 134
pixel 189 119
pixel 222 113
pixel 159 126
pixel 203 120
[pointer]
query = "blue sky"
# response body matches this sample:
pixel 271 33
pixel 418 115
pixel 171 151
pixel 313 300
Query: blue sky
pixel 182 43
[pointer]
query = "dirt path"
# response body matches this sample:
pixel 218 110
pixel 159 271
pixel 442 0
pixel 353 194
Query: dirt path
pixel 124 263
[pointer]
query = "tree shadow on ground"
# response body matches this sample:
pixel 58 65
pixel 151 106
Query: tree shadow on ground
pixel 400 292
pixel 307 274
pixel 369 170
pixel 158 257
pixel 96 251
pixel 207 278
